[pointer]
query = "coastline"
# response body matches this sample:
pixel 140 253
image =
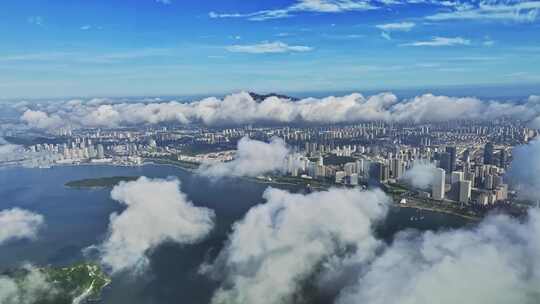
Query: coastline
pixel 436 210
pixel 278 184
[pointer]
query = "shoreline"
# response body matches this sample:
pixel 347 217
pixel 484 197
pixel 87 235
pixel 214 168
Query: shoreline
pixel 277 184
pixel 431 209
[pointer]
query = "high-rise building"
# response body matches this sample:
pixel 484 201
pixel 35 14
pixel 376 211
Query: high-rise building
pixel 457 176
pixel 360 167
pixel 437 190
pixel 445 161
pixel 353 179
pixel 488 182
pixel 100 152
pixel 503 158
pixel 340 177
pixel 377 172
pixel 488 154
pixel 466 156
pixel 397 168
pixel 465 187
pixel 349 168
pixel 452 151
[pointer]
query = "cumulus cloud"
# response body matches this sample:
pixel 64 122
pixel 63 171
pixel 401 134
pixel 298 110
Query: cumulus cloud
pixel 294 241
pixel 241 108
pixel 496 262
pixel 268 47
pixel 33 287
pixel 278 245
pixel 19 224
pixel 252 158
pixel 156 212
pixel 524 171
pixel 41 120
pixel 420 175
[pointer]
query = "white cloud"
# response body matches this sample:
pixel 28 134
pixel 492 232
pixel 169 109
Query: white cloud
pixel 524 172
pixel 496 262
pixel 86 27
pixel 7 150
pixel 252 158
pixel 41 120
pixel 520 11
pixel 386 36
pixel 19 224
pixel 420 175
pixel 32 288
pixel 280 244
pixel 318 6
pixel 402 26
pixel 268 47
pixel 164 1
pixel 156 212
pixel 213 111
pixel 440 41
pixel 324 239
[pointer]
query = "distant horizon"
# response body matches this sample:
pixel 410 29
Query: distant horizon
pixel 496 91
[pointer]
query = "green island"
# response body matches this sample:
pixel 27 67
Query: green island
pixel 101 182
pixel 75 284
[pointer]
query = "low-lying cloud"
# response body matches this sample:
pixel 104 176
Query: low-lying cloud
pixel 19 224
pixel 420 175
pixel 497 262
pixel 156 212
pixel 252 158
pixel 524 171
pixel 33 287
pixel 326 240
pixel 241 108
pixel 279 244
pixel 8 150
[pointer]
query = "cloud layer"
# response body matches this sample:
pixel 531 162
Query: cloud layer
pixel 279 244
pixel 241 108
pixel 420 175
pixel 497 262
pixel 156 212
pixel 252 158
pixel 19 224
pixel 524 171
pixel 326 240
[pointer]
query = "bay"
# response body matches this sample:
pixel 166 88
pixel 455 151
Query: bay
pixel 78 218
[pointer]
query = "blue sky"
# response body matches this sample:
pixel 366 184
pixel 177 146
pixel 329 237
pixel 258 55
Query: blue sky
pixel 178 47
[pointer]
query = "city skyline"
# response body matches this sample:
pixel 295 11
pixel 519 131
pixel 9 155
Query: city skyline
pixel 156 48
